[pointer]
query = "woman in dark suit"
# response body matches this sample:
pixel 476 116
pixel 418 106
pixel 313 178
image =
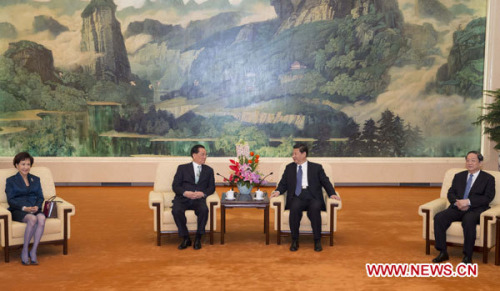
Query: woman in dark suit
pixel 25 198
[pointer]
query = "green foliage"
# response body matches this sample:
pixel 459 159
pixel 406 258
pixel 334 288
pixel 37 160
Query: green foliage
pixel 22 90
pixel 42 140
pixel 343 65
pixel 9 103
pixel 64 98
pixel 369 138
pixel 122 93
pixel 465 68
pixel 389 137
pixel 491 119
pixel 284 149
pixel 233 132
pixel 80 81
pixel 152 122
pixel 306 83
pixel 107 91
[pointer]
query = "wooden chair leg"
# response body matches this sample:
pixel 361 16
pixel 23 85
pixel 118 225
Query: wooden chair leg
pixel 212 205
pixel 497 242
pixel 278 230
pixel 158 224
pixel 6 235
pixel 6 252
pixel 332 219
pixel 427 232
pixel 486 250
pixel 66 231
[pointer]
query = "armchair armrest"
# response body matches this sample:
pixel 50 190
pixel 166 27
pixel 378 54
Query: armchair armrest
pixel 276 200
pixel 493 212
pixel 64 207
pixel 5 221
pixel 427 211
pixel 432 207
pixel 4 211
pixel 278 204
pixel 213 198
pixel 155 197
pixel 329 201
pixel 156 203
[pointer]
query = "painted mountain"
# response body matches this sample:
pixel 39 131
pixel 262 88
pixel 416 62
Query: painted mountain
pixel 360 78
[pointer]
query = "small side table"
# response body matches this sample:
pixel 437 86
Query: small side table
pixel 244 201
pixel 497 242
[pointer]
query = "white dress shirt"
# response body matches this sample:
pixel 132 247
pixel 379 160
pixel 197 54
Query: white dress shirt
pixel 197 169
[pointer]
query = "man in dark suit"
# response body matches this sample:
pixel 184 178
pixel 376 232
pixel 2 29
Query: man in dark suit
pixel 193 182
pixel 470 194
pixel 303 181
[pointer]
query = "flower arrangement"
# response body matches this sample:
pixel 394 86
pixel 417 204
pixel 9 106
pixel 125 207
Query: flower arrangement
pixel 244 171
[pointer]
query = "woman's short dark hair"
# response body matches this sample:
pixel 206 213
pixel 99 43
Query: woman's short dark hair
pixel 302 148
pixel 195 149
pixel 21 157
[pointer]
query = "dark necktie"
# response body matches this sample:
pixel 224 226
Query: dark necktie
pixel 298 188
pixel 468 186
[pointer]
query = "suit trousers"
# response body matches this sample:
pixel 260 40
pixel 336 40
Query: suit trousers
pixel 443 220
pixel 305 202
pixel 200 209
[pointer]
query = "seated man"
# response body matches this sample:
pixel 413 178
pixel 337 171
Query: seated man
pixel 193 182
pixel 303 181
pixel 470 194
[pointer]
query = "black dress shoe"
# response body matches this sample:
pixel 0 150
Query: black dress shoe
pixel 295 245
pixel 443 256
pixel 186 242
pixel 25 263
pixel 467 260
pixel 197 243
pixel 317 245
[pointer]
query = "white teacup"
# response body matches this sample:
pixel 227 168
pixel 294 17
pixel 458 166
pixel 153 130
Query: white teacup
pixel 259 195
pixel 230 194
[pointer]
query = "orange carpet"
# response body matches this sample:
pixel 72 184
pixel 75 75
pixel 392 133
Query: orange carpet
pixel 113 247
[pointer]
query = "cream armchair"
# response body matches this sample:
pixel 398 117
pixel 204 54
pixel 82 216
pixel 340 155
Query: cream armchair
pixel 160 200
pixel 485 230
pixel 328 217
pixel 57 230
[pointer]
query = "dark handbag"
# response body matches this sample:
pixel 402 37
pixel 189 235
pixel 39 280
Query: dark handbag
pixel 50 207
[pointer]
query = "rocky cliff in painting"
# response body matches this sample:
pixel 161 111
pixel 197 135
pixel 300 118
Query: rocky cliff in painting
pixel 33 57
pixel 433 9
pixel 7 30
pixel 43 23
pixel 151 27
pixel 293 13
pixel 103 40
pixel 463 72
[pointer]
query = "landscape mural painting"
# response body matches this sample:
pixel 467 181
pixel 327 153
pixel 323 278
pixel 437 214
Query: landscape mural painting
pixel 351 78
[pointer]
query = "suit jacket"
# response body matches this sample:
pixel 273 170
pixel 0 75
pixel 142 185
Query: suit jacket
pixel 316 179
pixel 481 193
pixel 19 195
pixel 184 180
